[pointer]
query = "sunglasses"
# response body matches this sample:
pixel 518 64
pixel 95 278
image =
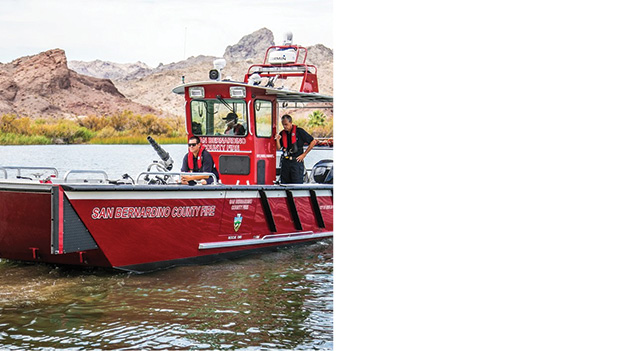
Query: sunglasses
pixel 192 145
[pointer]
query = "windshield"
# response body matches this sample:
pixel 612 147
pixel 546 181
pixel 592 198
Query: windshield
pixel 219 117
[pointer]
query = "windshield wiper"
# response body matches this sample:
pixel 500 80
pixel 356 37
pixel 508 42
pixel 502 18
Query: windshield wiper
pixel 225 103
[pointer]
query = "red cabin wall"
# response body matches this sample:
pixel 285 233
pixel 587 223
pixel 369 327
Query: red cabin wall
pixel 256 148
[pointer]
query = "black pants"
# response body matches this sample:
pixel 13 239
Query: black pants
pixel 292 172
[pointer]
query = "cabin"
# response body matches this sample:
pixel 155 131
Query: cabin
pixel 238 121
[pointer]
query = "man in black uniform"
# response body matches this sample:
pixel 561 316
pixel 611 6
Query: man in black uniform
pixel 292 140
pixel 198 159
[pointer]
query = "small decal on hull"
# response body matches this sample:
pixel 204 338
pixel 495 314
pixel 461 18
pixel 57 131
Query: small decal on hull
pixel 237 222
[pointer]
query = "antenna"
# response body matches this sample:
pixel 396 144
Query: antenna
pixel 184 53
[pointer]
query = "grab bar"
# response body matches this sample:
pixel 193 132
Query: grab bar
pixel 81 171
pixel 19 170
pixel 142 175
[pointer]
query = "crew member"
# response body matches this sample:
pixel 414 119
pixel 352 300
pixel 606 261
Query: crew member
pixel 232 125
pixel 292 140
pixel 198 159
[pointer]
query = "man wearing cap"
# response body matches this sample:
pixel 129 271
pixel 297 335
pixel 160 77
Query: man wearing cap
pixel 232 125
pixel 292 140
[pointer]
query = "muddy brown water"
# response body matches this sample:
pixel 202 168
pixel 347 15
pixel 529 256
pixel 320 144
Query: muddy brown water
pixel 277 300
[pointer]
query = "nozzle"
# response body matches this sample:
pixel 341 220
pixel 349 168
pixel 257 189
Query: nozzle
pixel 164 155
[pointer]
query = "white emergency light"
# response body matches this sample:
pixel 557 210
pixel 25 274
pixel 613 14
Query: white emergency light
pixel 196 92
pixel 237 92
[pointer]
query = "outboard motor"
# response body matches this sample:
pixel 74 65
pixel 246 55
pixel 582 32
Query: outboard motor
pixel 323 172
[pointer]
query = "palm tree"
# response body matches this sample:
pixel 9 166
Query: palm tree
pixel 317 118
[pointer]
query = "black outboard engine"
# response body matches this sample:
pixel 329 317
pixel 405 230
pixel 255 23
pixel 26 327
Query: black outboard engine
pixel 323 172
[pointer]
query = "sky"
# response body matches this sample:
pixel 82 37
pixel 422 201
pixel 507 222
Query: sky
pixel 154 31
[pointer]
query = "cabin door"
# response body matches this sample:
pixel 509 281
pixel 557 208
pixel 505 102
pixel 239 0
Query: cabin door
pixel 264 112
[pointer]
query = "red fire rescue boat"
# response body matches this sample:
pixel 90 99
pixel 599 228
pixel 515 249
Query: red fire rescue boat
pixel 155 222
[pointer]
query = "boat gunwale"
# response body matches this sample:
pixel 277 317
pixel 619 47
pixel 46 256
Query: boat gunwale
pixel 12 186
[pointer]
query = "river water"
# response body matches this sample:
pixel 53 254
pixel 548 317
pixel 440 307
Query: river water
pixel 277 300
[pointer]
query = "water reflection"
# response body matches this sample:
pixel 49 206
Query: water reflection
pixel 277 300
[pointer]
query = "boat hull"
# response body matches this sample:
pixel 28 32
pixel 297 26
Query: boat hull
pixel 144 227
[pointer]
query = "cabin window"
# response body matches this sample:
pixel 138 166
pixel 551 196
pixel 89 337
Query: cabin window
pixel 263 110
pixel 216 117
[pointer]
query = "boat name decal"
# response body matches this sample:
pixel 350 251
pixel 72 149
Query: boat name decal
pixel 221 147
pixel 223 144
pixel 152 212
pixel 240 204
pixel 235 140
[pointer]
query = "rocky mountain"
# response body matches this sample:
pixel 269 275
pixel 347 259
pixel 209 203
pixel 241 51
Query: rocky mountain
pixel 110 70
pixel 155 89
pixel 43 85
pixel 48 85
pixel 250 46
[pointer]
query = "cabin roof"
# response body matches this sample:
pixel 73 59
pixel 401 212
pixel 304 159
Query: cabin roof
pixel 281 94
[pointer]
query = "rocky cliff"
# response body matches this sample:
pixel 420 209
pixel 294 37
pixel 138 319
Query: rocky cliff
pixel 43 85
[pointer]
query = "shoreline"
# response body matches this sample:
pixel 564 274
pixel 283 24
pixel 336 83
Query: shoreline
pixel 41 140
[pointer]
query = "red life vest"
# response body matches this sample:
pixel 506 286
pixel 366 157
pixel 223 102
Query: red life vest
pixel 284 137
pixel 199 159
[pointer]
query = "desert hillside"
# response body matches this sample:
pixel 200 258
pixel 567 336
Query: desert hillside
pixel 153 87
pixel 46 84
pixel 43 85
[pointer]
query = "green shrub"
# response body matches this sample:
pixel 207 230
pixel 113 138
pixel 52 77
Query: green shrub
pixel 15 139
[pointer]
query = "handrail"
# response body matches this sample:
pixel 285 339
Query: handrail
pixel 20 168
pixel 83 171
pixel 142 176
pixel 158 166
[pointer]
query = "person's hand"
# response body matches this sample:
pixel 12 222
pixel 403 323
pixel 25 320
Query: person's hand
pixel 277 136
pixel 300 158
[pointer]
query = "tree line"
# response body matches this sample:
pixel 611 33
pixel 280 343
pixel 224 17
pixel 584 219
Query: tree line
pixel 124 127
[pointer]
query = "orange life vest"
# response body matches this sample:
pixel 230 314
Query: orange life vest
pixel 199 159
pixel 284 137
